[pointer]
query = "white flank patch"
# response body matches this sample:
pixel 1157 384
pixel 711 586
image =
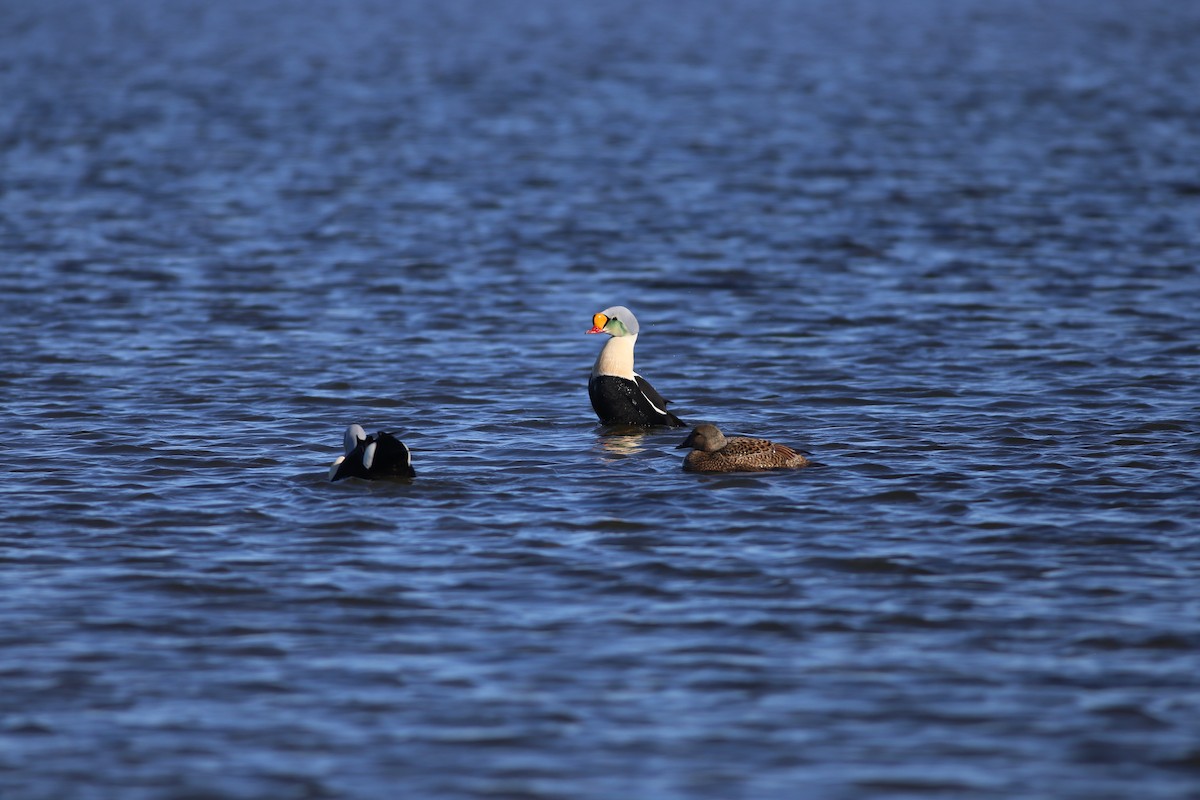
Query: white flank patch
pixel 334 466
pixel 369 455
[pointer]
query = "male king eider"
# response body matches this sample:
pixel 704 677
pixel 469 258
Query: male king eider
pixel 379 455
pixel 619 395
pixel 712 452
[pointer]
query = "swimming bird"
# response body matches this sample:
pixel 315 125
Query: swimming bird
pixel 712 452
pixel 374 456
pixel 619 395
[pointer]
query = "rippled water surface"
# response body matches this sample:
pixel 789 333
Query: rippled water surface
pixel 950 248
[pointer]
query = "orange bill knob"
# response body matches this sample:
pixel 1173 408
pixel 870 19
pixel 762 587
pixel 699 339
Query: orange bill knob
pixel 598 323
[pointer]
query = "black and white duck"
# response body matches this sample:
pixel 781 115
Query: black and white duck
pixel 619 395
pixel 372 456
pixel 713 452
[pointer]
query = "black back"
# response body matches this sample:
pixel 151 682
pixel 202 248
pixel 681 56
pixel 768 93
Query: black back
pixel 622 401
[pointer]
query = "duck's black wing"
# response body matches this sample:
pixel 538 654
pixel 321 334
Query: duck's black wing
pixel 657 402
pixel 391 458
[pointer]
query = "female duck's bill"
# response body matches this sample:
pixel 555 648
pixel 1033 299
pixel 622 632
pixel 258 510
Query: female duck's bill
pixel 619 395
pixel 713 452
pixel 375 456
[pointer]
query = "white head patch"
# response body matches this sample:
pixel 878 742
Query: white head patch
pixel 354 434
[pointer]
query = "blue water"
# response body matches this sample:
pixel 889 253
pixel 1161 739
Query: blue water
pixel 949 248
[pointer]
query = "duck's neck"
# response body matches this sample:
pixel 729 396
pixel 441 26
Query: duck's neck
pixel 616 357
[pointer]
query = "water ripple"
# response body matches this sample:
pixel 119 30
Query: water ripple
pixel 947 249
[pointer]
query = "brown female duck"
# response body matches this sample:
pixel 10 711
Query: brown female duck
pixel 712 452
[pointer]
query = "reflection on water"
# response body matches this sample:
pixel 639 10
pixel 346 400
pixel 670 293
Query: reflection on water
pixel 622 441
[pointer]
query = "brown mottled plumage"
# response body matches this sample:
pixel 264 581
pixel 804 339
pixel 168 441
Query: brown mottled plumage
pixel 712 452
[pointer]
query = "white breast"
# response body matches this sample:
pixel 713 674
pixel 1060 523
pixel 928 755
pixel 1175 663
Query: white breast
pixel 616 357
